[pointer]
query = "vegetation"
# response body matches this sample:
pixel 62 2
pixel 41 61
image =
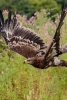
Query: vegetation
pixel 28 7
pixel 19 81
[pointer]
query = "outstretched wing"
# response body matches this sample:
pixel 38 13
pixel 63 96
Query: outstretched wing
pixel 26 43
pixel 22 40
pixel 54 47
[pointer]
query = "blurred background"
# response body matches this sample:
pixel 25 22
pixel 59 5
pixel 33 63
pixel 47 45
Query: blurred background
pixel 29 7
pixel 20 81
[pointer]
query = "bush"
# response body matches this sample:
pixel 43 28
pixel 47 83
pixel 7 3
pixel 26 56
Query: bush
pixel 29 7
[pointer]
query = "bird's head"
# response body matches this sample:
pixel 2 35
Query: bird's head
pixel 29 61
pixel 37 62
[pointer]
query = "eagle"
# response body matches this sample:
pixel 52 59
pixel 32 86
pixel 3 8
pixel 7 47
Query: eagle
pixel 27 43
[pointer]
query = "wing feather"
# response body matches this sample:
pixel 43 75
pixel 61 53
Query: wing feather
pixel 20 39
pixel 23 47
pixel 1 18
pixel 54 47
pixel 26 33
pixel 30 42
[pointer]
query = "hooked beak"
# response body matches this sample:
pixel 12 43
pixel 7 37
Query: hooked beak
pixel 26 62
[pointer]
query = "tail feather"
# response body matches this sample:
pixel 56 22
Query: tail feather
pixel 10 22
pixel 14 20
pixel 9 18
pixel 1 18
pixel 0 24
pixel 8 25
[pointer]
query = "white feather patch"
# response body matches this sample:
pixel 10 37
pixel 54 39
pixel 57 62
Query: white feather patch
pixel 56 61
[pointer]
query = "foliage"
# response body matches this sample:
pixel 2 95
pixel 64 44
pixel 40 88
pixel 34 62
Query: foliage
pixel 20 6
pixel 19 81
pixel 51 5
pixel 28 7
pixel 64 2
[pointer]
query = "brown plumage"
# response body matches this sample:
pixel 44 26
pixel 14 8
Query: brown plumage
pixel 25 42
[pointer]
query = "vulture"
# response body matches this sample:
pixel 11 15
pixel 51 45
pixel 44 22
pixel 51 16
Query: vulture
pixel 28 44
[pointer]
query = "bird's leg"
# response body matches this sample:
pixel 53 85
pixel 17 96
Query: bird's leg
pixel 64 48
pixel 56 62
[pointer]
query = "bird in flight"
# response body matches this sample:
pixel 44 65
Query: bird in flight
pixel 25 42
